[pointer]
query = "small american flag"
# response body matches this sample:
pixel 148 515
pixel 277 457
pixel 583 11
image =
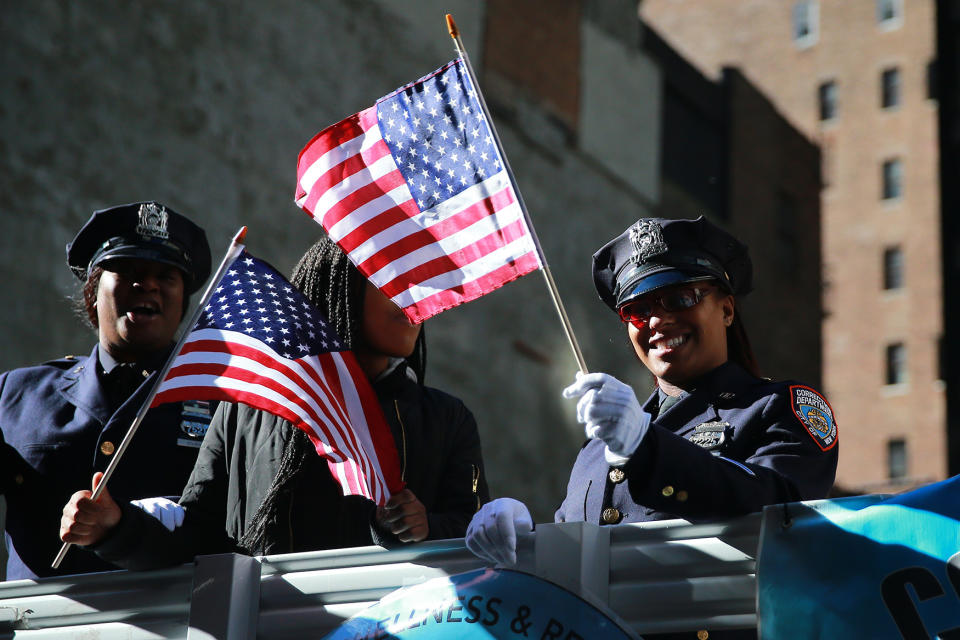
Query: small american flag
pixel 415 191
pixel 259 341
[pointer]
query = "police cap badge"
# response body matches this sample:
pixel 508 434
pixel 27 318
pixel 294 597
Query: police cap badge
pixel 146 231
pixel 658 252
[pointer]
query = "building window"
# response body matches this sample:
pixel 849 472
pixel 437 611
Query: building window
pixel 892 179
pixel 932 80
pixel 805 19
pixel 941 359
pixel 827 98
pixel 892 268
pixel 897 459
pixel 889 13
pixel 890 88
pixel 896 363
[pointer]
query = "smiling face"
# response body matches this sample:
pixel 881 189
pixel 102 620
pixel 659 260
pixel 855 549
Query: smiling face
pixel 139 307
pixel 680 346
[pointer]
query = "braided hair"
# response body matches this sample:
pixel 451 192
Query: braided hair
pixel 333 284
pixel 739 349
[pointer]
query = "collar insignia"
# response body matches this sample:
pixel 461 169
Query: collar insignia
pixel 153 221
pixel 647 239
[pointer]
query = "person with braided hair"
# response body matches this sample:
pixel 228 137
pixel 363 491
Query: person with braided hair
pixel 259 487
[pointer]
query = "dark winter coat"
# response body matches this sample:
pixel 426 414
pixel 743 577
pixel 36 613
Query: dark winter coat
pixel 59 427
pixel 440 458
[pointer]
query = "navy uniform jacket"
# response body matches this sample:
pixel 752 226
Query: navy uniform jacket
pixel 727 448
pixel 58 430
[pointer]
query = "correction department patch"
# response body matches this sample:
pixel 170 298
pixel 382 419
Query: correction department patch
pixel 814 412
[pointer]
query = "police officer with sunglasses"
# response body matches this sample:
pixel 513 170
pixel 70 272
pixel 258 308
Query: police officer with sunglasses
pixel 714 440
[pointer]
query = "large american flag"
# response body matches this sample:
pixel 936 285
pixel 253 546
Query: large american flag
pixel 259 341
pixel 415 191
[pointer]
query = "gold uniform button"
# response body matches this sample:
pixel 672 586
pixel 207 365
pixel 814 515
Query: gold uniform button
pixel 667 491
pixel 611 515
pixel 106 448
pixel 616 476
pixel 682 496
pixel 18 479
pixel 703 634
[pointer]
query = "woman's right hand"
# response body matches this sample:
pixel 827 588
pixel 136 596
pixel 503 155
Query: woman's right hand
pixel 610 411
pixel 86 522
pixel 492 533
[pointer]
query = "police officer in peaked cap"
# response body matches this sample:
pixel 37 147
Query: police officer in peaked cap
pixel 63 420
pixel 714 440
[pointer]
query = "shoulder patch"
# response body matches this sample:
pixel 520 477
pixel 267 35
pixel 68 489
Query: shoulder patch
pixel 815 414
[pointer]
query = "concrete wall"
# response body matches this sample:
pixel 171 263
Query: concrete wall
pixel 774 207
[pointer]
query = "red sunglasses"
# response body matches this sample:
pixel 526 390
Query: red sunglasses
pixel 638 312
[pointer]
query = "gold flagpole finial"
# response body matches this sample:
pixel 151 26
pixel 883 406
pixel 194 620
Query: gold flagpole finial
pixel 452 27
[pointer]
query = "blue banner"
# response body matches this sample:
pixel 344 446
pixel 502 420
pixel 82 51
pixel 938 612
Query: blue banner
pixel 869 567
pixel 481 604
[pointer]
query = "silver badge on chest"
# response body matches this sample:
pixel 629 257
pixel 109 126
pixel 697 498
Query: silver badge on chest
pixel 711 435
pixel 194 422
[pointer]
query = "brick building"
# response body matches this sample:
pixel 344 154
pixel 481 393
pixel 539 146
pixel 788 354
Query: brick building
pixel 855 77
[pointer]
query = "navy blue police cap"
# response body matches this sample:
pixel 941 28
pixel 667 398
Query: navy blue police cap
pixel 146 231
pixel 659 252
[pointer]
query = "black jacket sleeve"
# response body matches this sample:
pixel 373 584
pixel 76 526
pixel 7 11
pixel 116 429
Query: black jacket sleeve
pixel 462 485
pixel 141 542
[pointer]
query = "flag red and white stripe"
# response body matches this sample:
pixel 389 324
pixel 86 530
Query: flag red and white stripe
pixel 414 190
pixel 277 353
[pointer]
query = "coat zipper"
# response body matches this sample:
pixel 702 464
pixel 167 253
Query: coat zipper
pixel 476 481
pixel 403 438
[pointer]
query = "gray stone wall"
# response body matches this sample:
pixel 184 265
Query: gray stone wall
pixel 204 106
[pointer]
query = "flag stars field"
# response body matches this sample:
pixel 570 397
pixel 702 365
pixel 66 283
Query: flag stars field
pixel 450 123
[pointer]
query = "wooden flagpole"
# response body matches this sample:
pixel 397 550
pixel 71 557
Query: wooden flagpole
pixel 236 246
pixel 548 276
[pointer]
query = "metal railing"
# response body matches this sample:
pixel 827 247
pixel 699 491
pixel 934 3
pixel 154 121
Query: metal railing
pixel 654 577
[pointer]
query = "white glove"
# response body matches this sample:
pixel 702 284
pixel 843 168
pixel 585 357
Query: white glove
pixel 492 533
pixel 609 410
pixel 168 512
